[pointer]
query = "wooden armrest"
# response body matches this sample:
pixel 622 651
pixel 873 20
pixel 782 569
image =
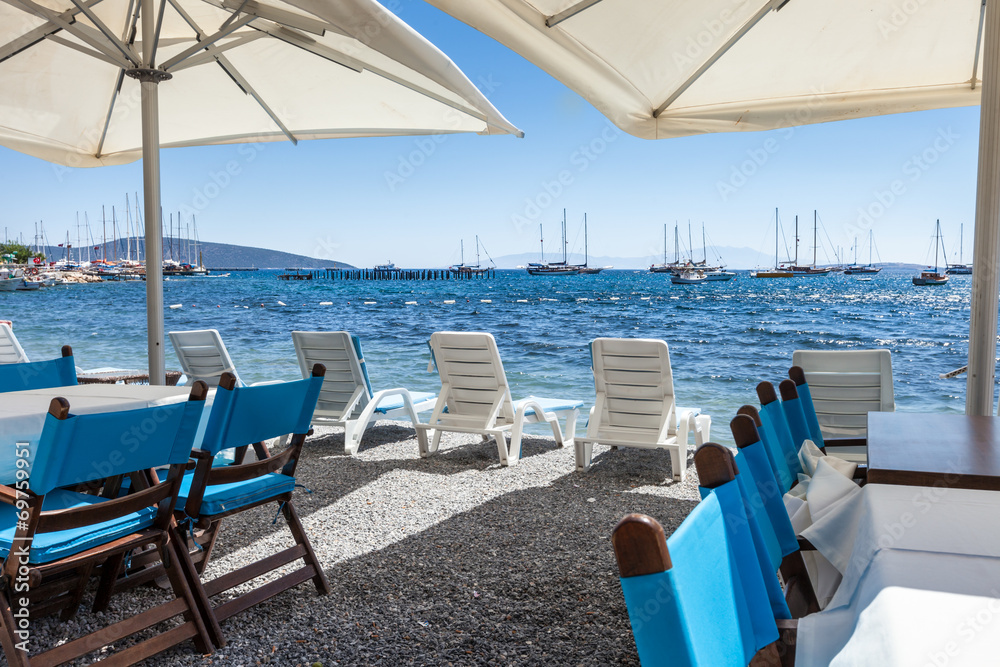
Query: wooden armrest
pixel 8 495
pixel 845 442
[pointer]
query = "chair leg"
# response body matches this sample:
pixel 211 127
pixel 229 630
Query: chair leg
pixel 569 433
pixel 703 429
pixel 584 454
pixel 516 435
pixel 193 578
pixel 678 461
pixel 426 451
pixel 11 642
pixel 299 533
pixel 173 556
pixel 501 439
pixel 353 430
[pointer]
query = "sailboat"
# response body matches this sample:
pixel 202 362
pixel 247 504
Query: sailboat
pixel 464 269
pixel 778 271
pixel 677 265
pixel 859 269
pixel 585 268
pixel 562 268
pixel 811 270
pixel 960 269
pixel 934 277
pixel 713 273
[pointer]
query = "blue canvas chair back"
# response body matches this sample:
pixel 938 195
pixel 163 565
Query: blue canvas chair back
pixel 82 448
pixel 797 375
pixel 246 415
pixel 766 492
pixel 49 374
pixel 777 456
pixel 773 415
pixel 697 611
pixel 795 415
pixel 751 536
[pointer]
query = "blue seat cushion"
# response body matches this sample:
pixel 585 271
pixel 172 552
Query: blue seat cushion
pixel 225 497
pixel 48 547
pixel 396 402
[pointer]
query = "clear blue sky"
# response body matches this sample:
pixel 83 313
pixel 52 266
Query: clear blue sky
pixel 340 199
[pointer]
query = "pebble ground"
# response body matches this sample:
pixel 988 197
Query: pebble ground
pixel 449 560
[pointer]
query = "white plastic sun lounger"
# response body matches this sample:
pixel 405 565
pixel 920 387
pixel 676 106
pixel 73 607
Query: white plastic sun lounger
pixel 635 404
pixel 203 356
pixel 11 351
pixel 347 398
pixel 475 398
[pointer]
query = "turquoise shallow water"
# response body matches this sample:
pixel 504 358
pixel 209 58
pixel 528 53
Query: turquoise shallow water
pixel 723 337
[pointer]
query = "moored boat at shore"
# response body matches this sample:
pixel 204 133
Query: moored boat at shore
pixel 935 277
pixel 543 268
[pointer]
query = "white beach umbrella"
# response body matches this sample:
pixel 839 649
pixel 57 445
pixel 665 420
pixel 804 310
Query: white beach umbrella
pixel 100 82
pixel 670 68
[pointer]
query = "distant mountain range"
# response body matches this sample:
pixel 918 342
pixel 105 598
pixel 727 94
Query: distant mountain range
pixel 214 255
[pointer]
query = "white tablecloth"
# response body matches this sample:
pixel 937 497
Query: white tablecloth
pixel 909 609
pixel 916 518
pixel 22 413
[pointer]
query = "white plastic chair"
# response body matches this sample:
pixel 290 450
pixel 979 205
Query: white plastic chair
pixel 846 385
pixel 203 356
pixel 475 398
pixel 11 351
pixel 347 398
pixel 635 404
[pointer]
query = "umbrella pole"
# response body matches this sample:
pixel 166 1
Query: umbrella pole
pixel 986 269
pixel 149 80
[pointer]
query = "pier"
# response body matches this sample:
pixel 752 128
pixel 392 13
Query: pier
pixel 406 274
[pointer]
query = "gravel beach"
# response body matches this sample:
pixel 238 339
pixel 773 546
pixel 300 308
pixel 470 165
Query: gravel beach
pixel 450 560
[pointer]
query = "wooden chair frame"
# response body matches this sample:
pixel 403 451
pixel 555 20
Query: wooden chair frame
pixel 45 588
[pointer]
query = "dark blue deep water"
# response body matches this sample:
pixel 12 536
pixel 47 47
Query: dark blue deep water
pixel 723 337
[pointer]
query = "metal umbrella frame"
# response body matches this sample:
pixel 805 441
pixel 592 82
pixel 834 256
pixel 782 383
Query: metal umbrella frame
pixel 355 57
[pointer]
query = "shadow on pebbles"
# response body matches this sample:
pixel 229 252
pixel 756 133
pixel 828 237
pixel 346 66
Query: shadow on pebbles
pixel 449 560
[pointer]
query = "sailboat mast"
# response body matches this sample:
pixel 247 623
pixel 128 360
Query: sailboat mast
pixel 564 243
pixel 961 243
pixel 796 241
pixel 814 238
pixel 937 239
pixel 586 251
pixel 462 242
pixel 704 248
pixel 541 241
pixel 871 242
pixel 477 252
pixel 775 237
pixel 690 243
pixel 677 252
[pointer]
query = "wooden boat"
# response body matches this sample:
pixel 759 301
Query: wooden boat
pixel 476 269
pixel 934 277
pixel 585 268
pixel 810 270
pixel 544 268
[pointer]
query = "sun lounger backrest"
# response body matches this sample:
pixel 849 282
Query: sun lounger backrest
pixel 635 388
pixel 11 351
pixel 203 356
pixel 340 353
pixel 845 386
pixel 472 374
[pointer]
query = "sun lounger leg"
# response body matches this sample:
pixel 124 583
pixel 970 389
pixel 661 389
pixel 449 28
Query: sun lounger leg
pixel 501 440
pixel 703 424
pixel 569 433
pixel 353 430
pixel 584 453
pixel 678 461
pixel 435 443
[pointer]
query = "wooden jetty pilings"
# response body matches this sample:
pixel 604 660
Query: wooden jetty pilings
pixel 406 274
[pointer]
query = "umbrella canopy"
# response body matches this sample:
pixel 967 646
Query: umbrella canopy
pixel 83 83
pixel 670 68
pixel 242 71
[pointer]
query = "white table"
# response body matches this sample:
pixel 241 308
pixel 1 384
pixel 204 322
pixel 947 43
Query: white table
pixel 920 560
pixel 22 413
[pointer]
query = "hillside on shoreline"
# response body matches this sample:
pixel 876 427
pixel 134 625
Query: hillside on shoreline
pixel 214 255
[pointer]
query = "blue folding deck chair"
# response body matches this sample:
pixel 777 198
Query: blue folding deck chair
pixel 59 372
pixel 347 398
pixel 243 417
pixel 697 598
pixel 52 538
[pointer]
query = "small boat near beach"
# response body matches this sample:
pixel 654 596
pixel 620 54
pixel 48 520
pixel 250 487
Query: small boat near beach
pixel 935 277
pixel 10 279
pixel 688 278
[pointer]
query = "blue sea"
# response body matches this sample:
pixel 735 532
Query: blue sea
pixel 724 338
